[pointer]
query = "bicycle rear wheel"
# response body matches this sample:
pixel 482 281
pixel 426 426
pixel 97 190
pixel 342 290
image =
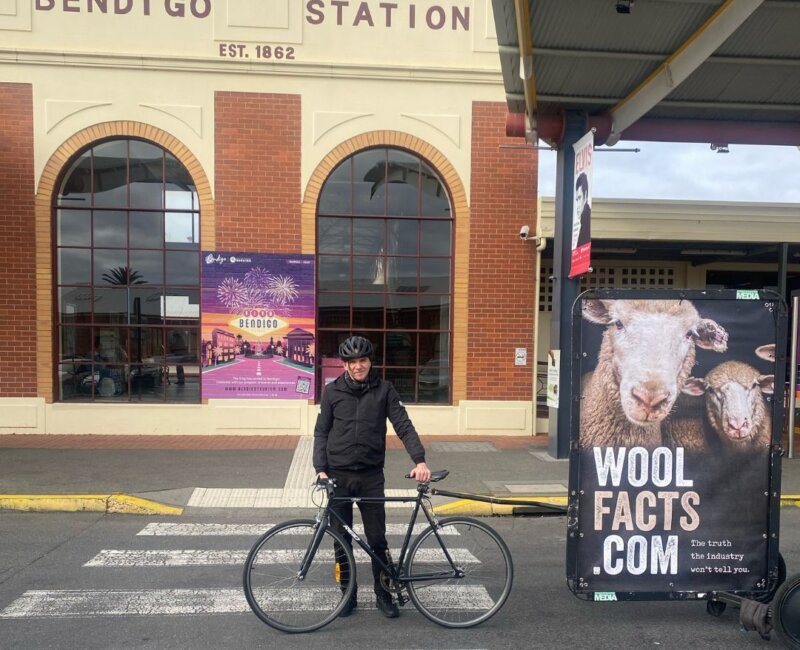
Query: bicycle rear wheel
pixel 483 559
pixel 271 583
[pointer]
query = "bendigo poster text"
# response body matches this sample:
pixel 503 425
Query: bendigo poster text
pixel 258 335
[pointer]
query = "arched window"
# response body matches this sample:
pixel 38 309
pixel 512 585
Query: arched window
pixel 384 270
pixel 127 233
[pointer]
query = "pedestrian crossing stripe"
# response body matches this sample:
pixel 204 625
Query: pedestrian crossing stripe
pixel 252 530
pixel 190 557
pixel 184 602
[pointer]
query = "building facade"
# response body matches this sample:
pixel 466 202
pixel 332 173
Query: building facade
pixel 136 134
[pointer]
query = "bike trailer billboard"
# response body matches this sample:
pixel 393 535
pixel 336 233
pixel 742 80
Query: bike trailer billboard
pixel 675 443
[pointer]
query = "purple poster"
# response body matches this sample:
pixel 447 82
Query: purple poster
pixel 258 335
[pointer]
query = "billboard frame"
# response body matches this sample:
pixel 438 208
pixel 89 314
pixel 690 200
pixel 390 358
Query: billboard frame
pixel 576 583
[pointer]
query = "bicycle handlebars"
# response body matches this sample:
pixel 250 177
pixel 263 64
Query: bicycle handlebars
pixel 329 484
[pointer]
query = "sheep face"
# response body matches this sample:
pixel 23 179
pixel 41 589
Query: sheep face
pixel 734 401
pixel 650 348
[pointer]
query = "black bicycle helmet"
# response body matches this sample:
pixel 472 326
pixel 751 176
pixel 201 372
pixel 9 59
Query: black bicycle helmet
pixel 354 348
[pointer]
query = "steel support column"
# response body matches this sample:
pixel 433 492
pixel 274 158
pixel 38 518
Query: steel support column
pixel 783 263
pixel 565 291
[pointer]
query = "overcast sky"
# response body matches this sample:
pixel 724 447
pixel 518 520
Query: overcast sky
pixel 689 171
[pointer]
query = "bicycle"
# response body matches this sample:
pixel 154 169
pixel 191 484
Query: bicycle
pixel 294 583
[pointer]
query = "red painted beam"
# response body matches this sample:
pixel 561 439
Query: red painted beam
pixel 550 128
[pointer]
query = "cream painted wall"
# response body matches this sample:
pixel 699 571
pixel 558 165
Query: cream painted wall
pixel 69 100
pixel 453 34
pixel 163 70
pixel 65 102
pixel 87 68
pixel 439 114
pixel 243 417
pixel 672 220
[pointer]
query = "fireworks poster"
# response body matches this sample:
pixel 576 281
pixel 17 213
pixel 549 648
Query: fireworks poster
pixel 673 463
pixel 258 334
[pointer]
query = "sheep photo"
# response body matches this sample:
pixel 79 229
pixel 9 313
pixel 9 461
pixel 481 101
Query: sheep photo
pixel 677 373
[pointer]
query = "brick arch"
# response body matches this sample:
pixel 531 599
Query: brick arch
pixel 460 217
pixel 44 226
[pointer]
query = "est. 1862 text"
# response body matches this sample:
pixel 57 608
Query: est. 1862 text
pixel 250 51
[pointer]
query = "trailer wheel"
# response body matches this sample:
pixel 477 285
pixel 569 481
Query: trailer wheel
pixel 786 612
pixel 715 607
pixel 781 579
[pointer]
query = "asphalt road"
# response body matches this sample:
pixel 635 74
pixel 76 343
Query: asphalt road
pixel 44 553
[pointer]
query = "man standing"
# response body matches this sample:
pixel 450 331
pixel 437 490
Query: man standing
pixel 350 447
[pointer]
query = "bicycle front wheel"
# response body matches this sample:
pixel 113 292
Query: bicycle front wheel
pixel 272 585
pixel 476 589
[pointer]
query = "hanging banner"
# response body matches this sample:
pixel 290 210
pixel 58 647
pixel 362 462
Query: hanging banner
pixel 673 470
pixel 258 334
pixel 553 380
pixel 582 207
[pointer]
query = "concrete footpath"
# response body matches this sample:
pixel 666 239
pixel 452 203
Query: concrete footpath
pixel 175 475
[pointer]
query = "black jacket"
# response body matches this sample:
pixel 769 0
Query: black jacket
pixel 350 432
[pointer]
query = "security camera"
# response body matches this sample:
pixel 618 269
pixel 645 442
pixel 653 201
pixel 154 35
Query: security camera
pixel 523 232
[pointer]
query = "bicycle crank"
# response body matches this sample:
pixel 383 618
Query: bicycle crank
pixel 392 586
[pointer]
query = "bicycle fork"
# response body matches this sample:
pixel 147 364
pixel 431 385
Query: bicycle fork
pixel 321 526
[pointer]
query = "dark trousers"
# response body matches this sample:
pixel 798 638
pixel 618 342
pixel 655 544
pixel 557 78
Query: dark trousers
pixel 365 483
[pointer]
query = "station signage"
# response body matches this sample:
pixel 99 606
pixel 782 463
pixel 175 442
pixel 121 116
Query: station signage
pixel 343 13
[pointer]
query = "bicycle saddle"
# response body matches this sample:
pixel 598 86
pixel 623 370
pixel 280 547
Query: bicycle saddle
pixel 435 476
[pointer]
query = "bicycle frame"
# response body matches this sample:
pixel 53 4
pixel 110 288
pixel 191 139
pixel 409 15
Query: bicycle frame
pixel 394 570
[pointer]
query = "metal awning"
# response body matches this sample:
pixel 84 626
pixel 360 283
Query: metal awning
pixel 713 71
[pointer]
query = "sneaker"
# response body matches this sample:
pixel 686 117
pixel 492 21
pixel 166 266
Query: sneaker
pixel 350 606
pixel 386 605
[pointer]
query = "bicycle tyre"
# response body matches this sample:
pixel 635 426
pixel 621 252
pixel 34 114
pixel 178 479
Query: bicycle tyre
pixel 460 602
pixel 785 610
pixel 270 581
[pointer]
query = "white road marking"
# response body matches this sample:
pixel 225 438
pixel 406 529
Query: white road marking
pixel 244 498
pixel 463 598
pixel 133 602
pixel 296 492
pixel 301 475
pixel 172 602
pixel 195 557
pixel 252 530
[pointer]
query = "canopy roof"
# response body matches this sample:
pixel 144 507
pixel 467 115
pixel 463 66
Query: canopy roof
pixel 716 71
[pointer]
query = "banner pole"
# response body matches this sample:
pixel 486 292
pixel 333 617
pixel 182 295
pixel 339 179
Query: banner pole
pixel 793 374
pixel 565 289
